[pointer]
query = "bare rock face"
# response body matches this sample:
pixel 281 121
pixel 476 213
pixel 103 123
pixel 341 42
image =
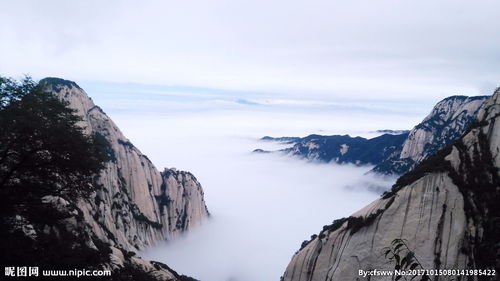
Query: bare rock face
pixel 448 120
pixel 488 114
pixel 180 213
pixel 137 205
pixel 446 209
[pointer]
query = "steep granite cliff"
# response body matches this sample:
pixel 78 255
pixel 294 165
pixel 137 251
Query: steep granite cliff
pixel 447 121
pixel 77 194
pixel 136 205
pixel 446 209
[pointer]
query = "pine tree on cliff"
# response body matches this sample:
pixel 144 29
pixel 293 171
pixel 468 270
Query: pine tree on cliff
pixel 42 149
pixel 43 152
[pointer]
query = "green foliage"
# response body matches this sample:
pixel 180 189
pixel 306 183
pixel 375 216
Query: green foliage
pixel 336 224
pixel 478 180
pixel 404 259
pixel 11 90
pixel 306 242
pixel 127 143
pixel 104 147
pixel 356 223
pixel 63 247
pixel 42 149
pixel 434 164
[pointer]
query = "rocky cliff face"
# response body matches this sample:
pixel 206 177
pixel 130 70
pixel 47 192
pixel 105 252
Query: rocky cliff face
pixel 136 205
pixel 127 206
pixel 446 209
pixel 447 121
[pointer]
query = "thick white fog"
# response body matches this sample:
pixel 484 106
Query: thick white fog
pixel 262 205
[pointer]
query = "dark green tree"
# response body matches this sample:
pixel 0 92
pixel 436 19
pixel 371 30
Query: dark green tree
pixel 12 90
pixel 43 150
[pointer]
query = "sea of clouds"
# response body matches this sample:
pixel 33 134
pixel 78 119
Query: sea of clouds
pixel 262 205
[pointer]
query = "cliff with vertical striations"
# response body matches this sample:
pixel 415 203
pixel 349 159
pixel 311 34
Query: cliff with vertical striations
pixel 133 205
pixel 446 209
pixel 448 120
pixel 136 205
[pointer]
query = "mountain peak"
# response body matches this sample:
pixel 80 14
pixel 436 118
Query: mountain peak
pixel 58 82
pixel 446 122
pixel 132 182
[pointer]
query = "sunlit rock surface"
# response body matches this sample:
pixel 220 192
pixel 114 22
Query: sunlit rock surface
pixel 135 205
pixel 448 120
pixel 446 208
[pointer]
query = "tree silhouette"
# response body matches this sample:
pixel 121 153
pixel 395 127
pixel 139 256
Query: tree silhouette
pixel 42 149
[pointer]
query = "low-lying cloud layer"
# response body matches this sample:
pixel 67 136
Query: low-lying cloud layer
pixel 263 207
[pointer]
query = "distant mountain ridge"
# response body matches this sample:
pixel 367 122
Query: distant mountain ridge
pixel 344 149
pixel 391 153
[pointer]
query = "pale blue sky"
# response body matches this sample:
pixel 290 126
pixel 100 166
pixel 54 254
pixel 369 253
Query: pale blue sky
pixel 134 97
